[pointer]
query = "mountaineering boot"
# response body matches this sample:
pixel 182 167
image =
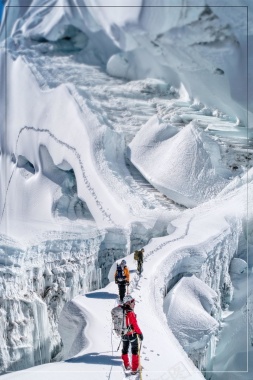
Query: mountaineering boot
pixel 135 363
pixel 126 361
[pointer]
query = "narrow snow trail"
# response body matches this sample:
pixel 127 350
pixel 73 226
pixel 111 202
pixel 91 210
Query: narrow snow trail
pixel 161 355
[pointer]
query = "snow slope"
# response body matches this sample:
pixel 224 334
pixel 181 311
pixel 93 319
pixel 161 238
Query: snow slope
pixel 83 86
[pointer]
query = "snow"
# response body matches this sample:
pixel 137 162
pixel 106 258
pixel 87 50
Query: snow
pixel 92 311
pixel 189 297
pixel 126 127
pixel 198 40
pixel 98 357
pixel 188 157
pixel 238 266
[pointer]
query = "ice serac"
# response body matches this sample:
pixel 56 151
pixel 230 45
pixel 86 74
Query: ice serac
pixel 182 164
pixel 189 307
pixel 203 46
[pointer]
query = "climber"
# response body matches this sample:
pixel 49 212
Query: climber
pixel 122 278
pixel 140 261
pixel 132 336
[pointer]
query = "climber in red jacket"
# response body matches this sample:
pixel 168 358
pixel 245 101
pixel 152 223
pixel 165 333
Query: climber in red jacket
pixel 132 335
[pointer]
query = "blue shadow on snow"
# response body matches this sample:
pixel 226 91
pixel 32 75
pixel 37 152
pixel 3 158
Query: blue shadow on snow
pixel 96 358
pixel 101 295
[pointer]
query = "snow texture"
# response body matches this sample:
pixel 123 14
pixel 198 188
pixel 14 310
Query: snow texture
pixel 124 127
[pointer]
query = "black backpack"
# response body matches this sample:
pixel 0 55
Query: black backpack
pixel 120 275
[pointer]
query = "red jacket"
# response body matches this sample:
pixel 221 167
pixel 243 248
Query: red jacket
pixel 132 321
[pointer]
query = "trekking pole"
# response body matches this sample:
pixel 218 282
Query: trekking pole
pixel 139 354
pixel 119 344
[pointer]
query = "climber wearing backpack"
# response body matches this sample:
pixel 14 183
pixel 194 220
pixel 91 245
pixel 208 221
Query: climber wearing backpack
pixel 132 335
pixel 122 278
pixel 138 255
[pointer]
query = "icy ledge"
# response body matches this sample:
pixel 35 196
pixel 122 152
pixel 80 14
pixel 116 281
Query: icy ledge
pixel 191 268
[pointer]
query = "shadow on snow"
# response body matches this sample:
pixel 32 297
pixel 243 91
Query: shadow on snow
pixel 96 358
pixel 101 295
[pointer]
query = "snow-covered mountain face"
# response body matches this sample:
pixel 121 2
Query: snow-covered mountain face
pixel 115 121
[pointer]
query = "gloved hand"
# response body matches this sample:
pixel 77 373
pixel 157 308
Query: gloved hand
pixel 141 336
pixel 127 283
pixel 116 281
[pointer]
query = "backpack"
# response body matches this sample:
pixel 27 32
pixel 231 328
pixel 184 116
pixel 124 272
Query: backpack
pixel 119 321
pixel 119 276
pixel 136 255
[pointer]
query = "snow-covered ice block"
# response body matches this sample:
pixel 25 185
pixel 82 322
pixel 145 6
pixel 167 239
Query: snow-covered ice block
pixel 188 307
pixel 184 165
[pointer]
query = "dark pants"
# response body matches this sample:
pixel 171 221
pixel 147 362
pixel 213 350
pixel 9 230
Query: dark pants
pixel 122 290
pixel 140 266
pixel 126 340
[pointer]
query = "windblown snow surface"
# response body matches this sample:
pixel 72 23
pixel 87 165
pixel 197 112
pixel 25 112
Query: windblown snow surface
pixel 126 125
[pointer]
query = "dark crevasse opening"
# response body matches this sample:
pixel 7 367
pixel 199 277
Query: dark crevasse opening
pixel 25 164
pixel 66 201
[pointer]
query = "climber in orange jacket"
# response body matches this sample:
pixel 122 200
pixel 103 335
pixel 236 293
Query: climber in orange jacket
pixel 122 278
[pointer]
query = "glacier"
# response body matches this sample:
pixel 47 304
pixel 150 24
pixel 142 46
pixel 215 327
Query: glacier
pixel 121 130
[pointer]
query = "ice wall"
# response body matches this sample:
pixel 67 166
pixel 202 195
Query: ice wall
pixel 207 295
pixel 37 281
